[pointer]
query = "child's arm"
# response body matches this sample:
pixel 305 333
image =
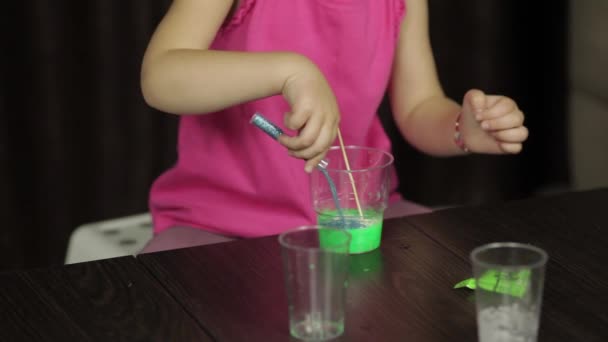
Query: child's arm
pixel 180 75
pixel 426 118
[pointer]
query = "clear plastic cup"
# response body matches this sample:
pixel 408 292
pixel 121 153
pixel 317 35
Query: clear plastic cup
pixel 315 264
pixel 336 202
pixel 509 280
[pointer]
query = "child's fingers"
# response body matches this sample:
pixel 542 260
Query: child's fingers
pixel 500 106
pixel 475 99
pixel 297 119
pixel 319 146
pixel 306 138
pixel 512 148
pixel 312 163
pixel 326 138
pixel 513 135
pixel 511 120
pixel 491 100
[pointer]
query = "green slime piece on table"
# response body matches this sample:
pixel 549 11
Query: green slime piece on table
pixel 511 283
pixel 365 231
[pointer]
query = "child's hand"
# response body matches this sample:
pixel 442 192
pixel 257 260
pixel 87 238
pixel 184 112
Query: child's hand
pixel 492 123
pixel 314 113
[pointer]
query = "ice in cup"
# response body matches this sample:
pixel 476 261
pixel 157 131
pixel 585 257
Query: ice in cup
pixel 509 280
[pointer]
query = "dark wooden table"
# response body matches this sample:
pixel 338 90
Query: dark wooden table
pixel 401 292
pixel 108 300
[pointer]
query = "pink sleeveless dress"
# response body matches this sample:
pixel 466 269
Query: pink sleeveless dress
pixel 230 177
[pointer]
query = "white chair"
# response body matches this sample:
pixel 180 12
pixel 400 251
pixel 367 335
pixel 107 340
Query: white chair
pixel 109 238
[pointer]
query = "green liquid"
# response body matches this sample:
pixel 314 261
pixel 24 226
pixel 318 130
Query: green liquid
pixel 365 265
pixel 365 231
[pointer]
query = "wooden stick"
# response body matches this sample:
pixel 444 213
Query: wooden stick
pixel 350 175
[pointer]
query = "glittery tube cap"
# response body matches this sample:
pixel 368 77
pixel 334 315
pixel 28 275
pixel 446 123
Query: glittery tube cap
pixel 271 129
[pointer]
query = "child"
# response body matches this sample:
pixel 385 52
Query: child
pixel 312 65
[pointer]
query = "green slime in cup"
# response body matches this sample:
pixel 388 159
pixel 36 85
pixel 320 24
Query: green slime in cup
pixel 365 230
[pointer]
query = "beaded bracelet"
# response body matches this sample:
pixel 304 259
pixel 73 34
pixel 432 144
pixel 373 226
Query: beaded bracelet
pixel 458 139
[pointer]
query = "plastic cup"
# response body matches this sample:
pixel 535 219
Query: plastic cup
pixel 509 281
pixel 315 264
pixel 334 199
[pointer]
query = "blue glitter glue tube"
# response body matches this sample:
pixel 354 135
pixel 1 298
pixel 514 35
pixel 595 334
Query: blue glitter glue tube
pixel 274 132
pixel 271 129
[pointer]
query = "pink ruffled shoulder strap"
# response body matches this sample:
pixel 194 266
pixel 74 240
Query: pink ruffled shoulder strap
pixel 239 15
pixel 400 13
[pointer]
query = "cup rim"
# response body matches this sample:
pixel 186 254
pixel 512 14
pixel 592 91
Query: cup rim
pixel 390 161
pixel 494 245
pixel 284 243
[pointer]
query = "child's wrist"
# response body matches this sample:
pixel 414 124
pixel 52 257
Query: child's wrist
pixel 288 66
pixel 293 64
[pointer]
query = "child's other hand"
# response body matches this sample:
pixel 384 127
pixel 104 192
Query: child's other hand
pixel 314 113
pixel 492 123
